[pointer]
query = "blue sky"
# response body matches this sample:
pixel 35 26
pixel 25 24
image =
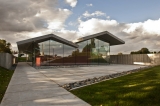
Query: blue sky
pixel 124 11
pixel 121 10
pixel 137 22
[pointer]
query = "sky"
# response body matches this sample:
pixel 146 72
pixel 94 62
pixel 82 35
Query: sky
pixel 137 22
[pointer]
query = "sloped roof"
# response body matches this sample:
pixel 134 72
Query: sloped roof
pixel 104 36
pixel 25 44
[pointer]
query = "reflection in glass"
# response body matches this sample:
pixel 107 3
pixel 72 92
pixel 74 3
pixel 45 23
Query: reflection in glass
pixel 81 53
pixel 56 53
pixel 103 52
pixel 69 55
pixel 43 53
pixel 93 51
pixel 50 52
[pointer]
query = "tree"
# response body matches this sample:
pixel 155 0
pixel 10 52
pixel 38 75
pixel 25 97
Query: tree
pixel 5 47
pixel 120 53
pixel 142 51
pixel 154 52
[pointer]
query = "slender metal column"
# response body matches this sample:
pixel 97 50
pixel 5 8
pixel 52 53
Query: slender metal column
pixel 98 51
pixel 63 54
pixel 32 54
pixel 87 52
pixel 109 53
pixel 49 52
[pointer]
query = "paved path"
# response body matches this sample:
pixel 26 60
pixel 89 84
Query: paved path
pixel 29 87
pixel 67 75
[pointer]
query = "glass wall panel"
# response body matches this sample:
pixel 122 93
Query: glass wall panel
pixel 41 51
pixel 93 51
pixel 103 52
pixel 69 55
pixel 56 53
pixel 50 52
pixel 81 53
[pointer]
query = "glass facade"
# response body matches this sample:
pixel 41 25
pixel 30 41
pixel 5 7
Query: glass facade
pixel 69 56
pixel 52 53
pixel 95 52
pixel 82 53
pixel 56 53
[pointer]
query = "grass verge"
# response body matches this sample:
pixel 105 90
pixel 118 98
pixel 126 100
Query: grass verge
pixel 5 77
pixel 137 89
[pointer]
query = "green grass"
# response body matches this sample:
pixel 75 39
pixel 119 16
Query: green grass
pixel 5 76
pixel 137 89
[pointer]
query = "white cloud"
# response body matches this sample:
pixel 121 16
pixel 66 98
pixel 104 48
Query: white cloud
pixel 96 13
pixel 95 25
pixel 149 26
pixel 136 35
pixel 58 22
pixel 31 18
pixel 72 3
pixel 34 18
pixel 73 23
pixel 89 5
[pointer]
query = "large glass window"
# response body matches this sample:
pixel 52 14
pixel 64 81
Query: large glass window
pixel 103 52
pixel 93 51
pixel 56 53
pixel 81 53
pixel 42 53
pixel 69 55
pixel 50 52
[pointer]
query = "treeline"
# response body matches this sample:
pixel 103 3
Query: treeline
pixel 143 51
pixel 5 47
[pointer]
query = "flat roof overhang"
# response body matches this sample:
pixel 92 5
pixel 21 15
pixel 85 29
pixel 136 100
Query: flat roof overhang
pixel 104 36
pixel 26 45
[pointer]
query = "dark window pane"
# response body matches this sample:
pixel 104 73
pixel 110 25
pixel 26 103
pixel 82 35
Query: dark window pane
pixel 56 53
pixel 69 55
pixel 103 52
pixel 81 53
pixel 93 51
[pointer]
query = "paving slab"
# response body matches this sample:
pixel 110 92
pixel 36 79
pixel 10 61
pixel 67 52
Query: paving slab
pixel 30 87
pixel 68 75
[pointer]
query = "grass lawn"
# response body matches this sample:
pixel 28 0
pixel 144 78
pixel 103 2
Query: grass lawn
pixel 137 89
pixel 5 76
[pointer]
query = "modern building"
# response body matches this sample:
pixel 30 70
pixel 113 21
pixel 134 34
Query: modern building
pixel 51 50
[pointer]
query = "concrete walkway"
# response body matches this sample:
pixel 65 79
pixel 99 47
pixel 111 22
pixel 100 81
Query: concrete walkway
pixel 67 75
pixel 30 87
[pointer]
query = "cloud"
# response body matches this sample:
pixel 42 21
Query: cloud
pixel 31 15
pixel 26 19
pixel 58 22
pixel 149 26
pixel 136 35
pixel 72 3
pixel 96 13
pixel 94 25
pixel 89 5
pixel 70 35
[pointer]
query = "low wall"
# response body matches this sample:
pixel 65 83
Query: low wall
pixel 6 60
pixel 141 59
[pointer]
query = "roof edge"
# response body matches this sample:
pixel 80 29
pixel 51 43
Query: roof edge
pixel 96 35
pixel 45 37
